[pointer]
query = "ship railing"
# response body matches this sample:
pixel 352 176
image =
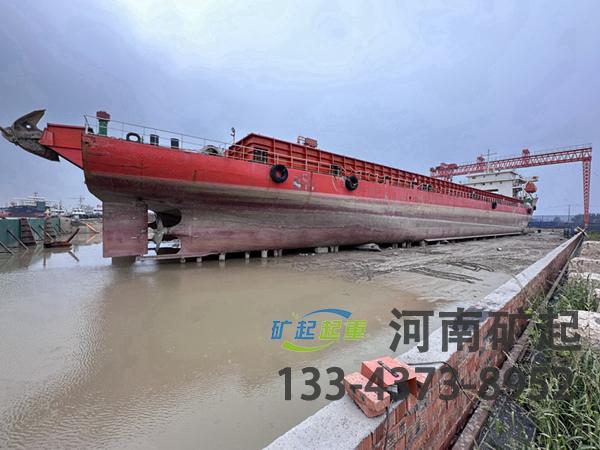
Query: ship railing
pixel 196 144
pixel 153 136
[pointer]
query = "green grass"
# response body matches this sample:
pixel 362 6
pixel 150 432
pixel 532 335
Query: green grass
pixel 572 422
pixel 593 235
pixel 576 295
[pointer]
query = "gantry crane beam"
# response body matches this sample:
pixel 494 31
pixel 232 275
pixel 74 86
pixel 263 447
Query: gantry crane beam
pixel 579 153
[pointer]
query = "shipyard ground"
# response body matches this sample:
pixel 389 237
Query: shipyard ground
pixel 180 355
pixel 439 273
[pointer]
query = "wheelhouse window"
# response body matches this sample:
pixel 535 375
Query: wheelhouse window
pixel 260 155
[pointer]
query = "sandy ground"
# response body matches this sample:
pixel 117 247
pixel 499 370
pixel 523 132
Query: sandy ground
pixel 439 273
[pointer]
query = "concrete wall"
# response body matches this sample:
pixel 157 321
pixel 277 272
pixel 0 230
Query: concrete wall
pixel 430 423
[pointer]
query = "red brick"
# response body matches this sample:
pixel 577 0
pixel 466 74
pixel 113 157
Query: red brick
pixel 434 429
pixel 421 377
pixel 435 379
pixel 411 403
pixel 438 409
pixel 368 369
pixel 400 410
pixel 393 438
pixel 366 444
pixel 410 420
pixel 401 443
pixel 368 402
pixel 455 359
pixel 419 442
pixel 484 328
pixel 401 428
pixel 379 433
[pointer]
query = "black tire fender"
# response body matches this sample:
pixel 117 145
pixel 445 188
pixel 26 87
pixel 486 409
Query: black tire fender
pixel 351 182
pixel 278 173
pixel 133 137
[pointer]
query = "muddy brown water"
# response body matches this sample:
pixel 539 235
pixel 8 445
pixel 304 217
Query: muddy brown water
pixel 166 355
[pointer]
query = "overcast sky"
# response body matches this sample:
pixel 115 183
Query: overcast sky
pixel 408 84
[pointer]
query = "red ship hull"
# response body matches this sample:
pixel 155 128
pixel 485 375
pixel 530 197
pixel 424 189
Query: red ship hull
pixel 230 203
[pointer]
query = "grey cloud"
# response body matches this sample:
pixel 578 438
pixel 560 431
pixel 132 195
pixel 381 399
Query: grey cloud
pixel 501 77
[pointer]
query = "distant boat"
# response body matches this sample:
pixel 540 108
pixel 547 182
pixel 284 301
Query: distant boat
pixel 86 212
pixel 78 213
pixel 32 206
pixel 57 211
